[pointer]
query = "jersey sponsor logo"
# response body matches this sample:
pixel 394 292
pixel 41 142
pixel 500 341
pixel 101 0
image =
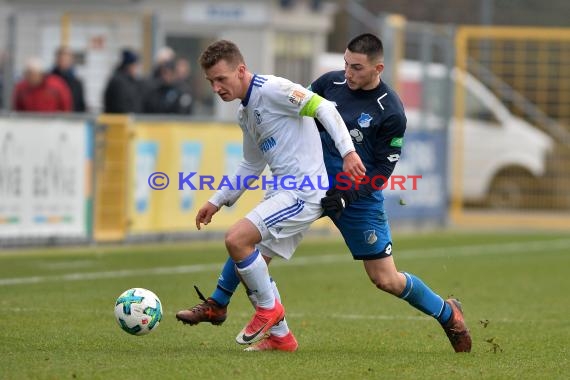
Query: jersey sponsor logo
pixel 257 115
pixel 356 135
pixel 296 97
pixel 397 142
pixel 267 144
pixel 393 157
pixel 370 236
pixel 364 120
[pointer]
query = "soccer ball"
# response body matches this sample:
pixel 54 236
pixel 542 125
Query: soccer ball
pixel 138 311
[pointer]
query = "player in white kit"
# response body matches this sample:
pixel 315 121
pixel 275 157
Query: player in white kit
pixel 276 118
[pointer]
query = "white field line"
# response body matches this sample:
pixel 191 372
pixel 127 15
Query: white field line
pixel 291 315
pixel 471 250
pixel 384 317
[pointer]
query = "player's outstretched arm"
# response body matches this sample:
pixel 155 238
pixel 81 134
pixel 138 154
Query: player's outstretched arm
pixel 205 214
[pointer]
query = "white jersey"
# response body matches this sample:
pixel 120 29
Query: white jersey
pixel 276 133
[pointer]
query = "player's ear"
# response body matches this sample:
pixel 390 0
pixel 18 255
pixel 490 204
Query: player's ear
pixel 379 67
pixel 241 70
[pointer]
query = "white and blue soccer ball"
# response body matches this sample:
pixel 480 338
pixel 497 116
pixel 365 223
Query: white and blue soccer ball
pixel 138 311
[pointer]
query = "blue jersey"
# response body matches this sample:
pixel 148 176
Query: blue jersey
pixel 376 121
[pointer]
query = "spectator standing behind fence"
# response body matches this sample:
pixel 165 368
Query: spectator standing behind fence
pixel 165 94
pixel 64 69
pixel 183 71
pixel 41 92
pixel 123 91
pixel 164 55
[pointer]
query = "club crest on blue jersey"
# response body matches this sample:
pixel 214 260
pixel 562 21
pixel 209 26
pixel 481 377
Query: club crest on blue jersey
pixel 364 120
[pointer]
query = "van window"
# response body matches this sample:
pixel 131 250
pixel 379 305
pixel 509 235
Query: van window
pixel 476 109
pixel 435 87
pixel 413 98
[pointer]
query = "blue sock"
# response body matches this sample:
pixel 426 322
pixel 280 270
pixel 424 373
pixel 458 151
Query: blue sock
pixel 420 296
pixel 227 283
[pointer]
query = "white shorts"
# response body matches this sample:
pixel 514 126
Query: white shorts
pixel 282 219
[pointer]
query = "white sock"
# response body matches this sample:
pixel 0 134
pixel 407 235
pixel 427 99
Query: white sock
pixel 253 272
pixel 281 329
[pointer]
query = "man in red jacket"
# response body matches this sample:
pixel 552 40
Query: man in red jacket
pixel 39 92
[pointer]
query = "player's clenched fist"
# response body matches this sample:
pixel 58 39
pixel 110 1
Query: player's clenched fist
pixel 205 214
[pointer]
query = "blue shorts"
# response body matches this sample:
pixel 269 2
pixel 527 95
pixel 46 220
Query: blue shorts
pixel 365 229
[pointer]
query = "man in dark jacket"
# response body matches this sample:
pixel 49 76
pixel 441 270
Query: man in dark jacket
pixel 166 95
pixel 64 69
pixel 123 92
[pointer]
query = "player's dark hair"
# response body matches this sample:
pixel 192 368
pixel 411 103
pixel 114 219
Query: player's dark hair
pixel 367 44
pixel 218 51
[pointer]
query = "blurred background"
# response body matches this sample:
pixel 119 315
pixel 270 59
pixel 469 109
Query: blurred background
pixel 96 96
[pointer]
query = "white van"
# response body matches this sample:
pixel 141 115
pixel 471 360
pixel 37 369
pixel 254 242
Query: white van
pixel 503 155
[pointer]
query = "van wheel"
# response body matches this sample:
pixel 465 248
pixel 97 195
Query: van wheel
pixel 512 188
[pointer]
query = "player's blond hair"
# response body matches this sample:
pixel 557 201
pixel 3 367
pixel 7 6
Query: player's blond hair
pixel 221 50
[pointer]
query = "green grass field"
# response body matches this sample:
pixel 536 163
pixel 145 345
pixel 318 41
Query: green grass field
pixel 57 312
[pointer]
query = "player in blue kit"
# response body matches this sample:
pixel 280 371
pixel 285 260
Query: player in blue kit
pixel 375 117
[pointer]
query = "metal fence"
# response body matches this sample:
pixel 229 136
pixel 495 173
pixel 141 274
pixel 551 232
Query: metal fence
pixel 523 125
pixel 488 127
pixel 501 94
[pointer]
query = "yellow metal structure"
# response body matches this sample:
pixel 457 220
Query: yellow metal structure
pixel 529 70
pixel 112 155
pixel 65 29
